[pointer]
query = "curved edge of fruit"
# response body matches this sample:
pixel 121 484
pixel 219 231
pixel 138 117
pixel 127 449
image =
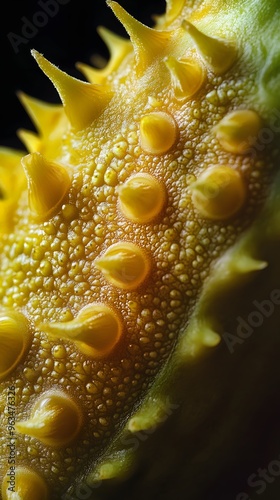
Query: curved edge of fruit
pixel 236 269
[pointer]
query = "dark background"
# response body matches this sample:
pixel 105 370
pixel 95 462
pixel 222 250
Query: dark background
pixel 68 37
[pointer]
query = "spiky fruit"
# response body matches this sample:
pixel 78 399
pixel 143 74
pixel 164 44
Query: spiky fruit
pixel 135 232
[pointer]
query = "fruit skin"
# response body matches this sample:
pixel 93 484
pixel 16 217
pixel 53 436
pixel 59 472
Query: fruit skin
pixel 215 360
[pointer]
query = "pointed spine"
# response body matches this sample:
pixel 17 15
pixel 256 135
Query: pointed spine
pixel 48 184
pixel 28 485
pixel 218 54
pixel 14 340
pixel 173 9
pixel 55 420
pixel 44 116
pixel 118 48
pixel 30 140
pixel 187 76
pixel 83 102
pixel 96 330
pixel 148 43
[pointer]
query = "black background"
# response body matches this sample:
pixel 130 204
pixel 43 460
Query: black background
pixel 68 37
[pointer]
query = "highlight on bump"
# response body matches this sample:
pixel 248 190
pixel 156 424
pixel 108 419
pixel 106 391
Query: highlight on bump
pixel 14 340
pixel 29 485
pixel 187 76
pixel 218 54
pixel 238 130
pixel 95 331
pixel 142 198
pixel 118 48
pixel 48 184
pixel 124 265
pixel 158 132
pixel 55 419
pixel 219 193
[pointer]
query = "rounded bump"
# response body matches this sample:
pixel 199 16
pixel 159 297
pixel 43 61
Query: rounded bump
pixel 48 184
pixel 142 198
pixel 29 485
pixel 187 76
pixel 219 193
pixel 14 340
pixel 124 265
pixel 55 420
pixel 158 132
pixel 238 130
pixel 95 331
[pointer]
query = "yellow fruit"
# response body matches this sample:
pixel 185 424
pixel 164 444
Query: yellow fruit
pixel 143 211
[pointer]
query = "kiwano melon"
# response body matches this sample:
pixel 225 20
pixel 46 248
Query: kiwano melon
pixel 139 276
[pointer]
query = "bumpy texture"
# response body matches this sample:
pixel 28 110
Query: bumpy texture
pixel 142 198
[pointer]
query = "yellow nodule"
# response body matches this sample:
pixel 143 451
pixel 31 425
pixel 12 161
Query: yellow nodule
pixel 55 420
pixel 28 485
pixel 238 130
pixel 187 76
pixel 48 183
pixel 14 340
pixel 142 198
pixel 219 193
pixel 95 330
pixel 158 132
pixel 124 265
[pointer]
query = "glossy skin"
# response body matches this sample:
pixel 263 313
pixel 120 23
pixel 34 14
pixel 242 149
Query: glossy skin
pixel 119 213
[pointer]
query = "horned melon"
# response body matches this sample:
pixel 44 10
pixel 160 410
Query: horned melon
pixel 139 276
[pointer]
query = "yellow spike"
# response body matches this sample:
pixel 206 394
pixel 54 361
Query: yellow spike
pixel 55 420
pixel 153 413
pixel 141 198
pixel 238 130
pixel 96 330
pixel 10 158
pixel 10 172
pixel 124 265
pixel 83 102
pixel 158 132
pixel 173 9
pixel 246 264
pixel 218 54
pixel 48 184
pixel 95 76
pixel 28 485
pixel 201 334
pixel 148 43
pixel 44 116
pixel 219 193
pixel 30 139
pixel 208 336
pixel 118 48
pixel 12 183
pixel 118 466
pixel 14 340
pixel 187 76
